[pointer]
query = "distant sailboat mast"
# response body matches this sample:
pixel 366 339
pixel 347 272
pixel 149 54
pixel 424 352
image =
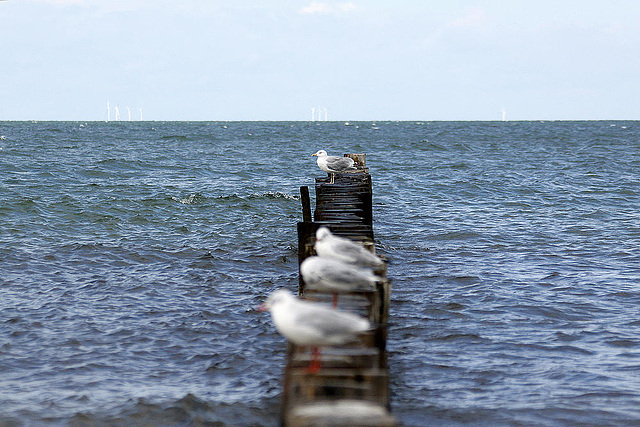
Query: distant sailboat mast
pixel 504 115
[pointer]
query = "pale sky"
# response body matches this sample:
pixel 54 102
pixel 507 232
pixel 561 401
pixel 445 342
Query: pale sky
pixel 361 60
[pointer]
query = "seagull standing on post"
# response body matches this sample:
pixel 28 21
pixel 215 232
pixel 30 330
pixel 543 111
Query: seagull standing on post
pixel 331 246
pixel 334 164
pixel 335 276
pixel 311 324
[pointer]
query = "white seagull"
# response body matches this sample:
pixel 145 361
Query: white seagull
pixel 311 324
pixel 331 246
pixel 334 164
pixel 332 275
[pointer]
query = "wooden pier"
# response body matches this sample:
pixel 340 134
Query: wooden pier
pixel 352 386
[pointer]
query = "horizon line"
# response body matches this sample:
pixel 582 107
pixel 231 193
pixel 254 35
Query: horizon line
pixel 318 122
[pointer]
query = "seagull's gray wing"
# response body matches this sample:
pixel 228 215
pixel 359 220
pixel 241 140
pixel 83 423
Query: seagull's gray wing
pixel 348 277
pixel 339 163
pixel 351 249
pixel 328 321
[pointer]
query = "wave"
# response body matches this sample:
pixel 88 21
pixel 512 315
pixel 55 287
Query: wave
pixel 191 199
pixel 273 195
pixel 188 410
pixel 263 195
pixel 197 198
pixel 175 137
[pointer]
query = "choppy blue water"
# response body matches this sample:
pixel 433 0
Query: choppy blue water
pixel 133 254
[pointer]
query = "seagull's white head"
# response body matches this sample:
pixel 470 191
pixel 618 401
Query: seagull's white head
pixel 322 233
pixel 277 297
pixel 319 153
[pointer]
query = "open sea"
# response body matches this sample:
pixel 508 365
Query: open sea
pixel 133 256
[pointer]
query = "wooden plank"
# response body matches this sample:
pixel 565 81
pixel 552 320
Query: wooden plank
pixel 371 385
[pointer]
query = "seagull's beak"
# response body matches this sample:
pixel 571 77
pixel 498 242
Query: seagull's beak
pixel 262 308
pixel 314 155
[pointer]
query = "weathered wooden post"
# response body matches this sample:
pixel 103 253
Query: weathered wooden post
pixel 306 204
pixel 352 388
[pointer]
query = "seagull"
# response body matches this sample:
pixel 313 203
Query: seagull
pixel 312 324
pixel 331 246
pixel 334 164
pixel 333 275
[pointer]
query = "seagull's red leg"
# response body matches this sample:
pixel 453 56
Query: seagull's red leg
pixel 335 300
pixel 314 366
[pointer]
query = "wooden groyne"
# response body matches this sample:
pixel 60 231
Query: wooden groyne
pixel 352 386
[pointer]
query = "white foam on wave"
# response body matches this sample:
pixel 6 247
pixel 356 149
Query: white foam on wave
pixel 275 195
pixel 191 199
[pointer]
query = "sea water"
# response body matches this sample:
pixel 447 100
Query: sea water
pixel 133 256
